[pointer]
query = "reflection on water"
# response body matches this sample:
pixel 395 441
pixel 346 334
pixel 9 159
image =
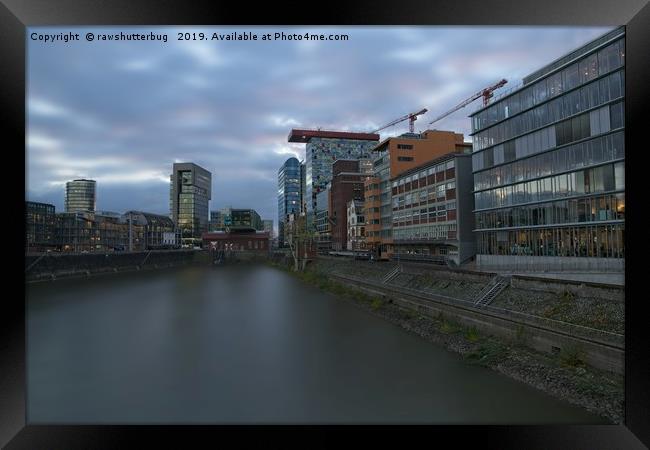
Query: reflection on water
pixel 247 344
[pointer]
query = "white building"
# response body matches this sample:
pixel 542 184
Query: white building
pixel 356 225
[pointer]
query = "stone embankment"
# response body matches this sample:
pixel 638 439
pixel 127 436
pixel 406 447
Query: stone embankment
pixel 51 266
pixel 564 374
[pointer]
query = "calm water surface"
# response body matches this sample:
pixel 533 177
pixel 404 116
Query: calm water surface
pixel 247 344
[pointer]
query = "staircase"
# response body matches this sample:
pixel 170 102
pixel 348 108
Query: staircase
pixel 489 293
pixel 392 274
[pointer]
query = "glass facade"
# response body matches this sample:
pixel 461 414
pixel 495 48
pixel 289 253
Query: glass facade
pixel 80 196
pixel 190 190
pixel 321 154
pixel 289 193
pixel 548 161
pixel 39 226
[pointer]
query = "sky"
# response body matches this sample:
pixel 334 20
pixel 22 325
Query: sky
pixel 122 112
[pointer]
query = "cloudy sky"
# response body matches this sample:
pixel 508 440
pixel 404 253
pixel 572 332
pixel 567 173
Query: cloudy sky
pixel 123 112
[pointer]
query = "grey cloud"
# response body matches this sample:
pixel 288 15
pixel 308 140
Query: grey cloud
pixel 123 112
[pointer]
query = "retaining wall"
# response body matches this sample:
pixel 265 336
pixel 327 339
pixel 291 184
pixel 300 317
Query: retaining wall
pixel 609 356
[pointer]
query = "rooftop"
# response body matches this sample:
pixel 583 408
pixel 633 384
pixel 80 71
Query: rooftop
pixel 304 136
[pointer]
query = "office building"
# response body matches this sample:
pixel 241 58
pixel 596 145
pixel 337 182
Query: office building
pixel 549 166
pixel 80 195
pixel 149 231
pixel 432 207
pixel 289 194
pixel 392 157
pixel 190 194
pixel 321 150
pixel 39 226
pixel 322 220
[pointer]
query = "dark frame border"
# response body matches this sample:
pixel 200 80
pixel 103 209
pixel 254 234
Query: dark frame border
pixel 16 15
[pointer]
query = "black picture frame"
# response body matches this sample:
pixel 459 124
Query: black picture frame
pixel 16 15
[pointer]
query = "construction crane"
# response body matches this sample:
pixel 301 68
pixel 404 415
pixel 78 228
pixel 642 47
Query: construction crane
pixel 412 117
pixel 486 93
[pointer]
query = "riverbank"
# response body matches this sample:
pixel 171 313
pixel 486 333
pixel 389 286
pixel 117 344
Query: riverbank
pixel 53 266
pixel 565 375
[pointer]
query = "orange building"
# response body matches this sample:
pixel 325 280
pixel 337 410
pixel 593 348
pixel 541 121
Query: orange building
pixel 393 156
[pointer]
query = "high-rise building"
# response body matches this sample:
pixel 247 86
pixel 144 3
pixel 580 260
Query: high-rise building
pixel 549 166
pixel 392 157
pixel 289 194
pixel 80 195
pixel 190 193
pixel 322 149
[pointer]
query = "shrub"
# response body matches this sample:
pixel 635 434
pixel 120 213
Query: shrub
pixel 471 334
pixel 572 356
pixel 376 303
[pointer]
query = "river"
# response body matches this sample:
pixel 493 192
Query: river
pixel 248 344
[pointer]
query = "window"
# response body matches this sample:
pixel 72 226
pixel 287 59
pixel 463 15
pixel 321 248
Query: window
pixel 571 77
pixel 405 158
pixel 616 115
pixel 404 147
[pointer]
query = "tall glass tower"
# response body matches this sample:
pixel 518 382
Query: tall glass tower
pixel 289 193
pixel 190 192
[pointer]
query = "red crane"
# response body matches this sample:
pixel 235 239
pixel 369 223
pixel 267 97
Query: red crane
pixel 486 93
pixel 411 117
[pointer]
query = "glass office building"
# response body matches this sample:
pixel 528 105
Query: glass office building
pixel 548 164
pixel 289 193
pixel 190 193
pixel 80 195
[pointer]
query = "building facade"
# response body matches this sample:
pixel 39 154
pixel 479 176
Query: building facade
pixel 433 207
pixel 149 231
pixel 347 184
pixel 267 225
pixel 40 226
pixel 356 226
pixel 237 241
pixel 190 194
pixel 322 149
pixel 216 221
pixel 289 194
pixel 322 221
pixel 80 195
pixel 549 166
pixel 392 157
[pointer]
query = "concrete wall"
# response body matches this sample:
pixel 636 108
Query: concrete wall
pixel 580 290
pixel 521 263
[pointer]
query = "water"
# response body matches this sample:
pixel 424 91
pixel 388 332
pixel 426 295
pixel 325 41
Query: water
pixel 248 344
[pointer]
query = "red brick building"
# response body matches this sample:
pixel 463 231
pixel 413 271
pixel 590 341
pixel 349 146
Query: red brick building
pixel 255 241
pixel 347 184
